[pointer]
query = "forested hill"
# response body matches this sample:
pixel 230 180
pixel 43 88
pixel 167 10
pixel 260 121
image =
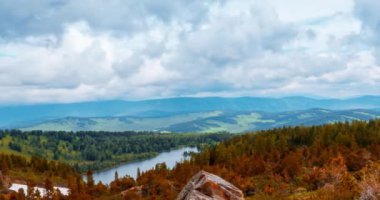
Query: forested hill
pixel 336 161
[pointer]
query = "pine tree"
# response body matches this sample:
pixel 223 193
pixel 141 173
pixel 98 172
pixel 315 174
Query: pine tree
pixel 138 173
pixel 49 188
pixel 31 190
pixel 116 176
pixel 90 179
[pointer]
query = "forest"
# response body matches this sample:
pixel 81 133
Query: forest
pixel 97 150
pixel 334 161
pixel 36 169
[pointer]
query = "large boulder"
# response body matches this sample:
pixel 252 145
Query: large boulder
pixel 206 186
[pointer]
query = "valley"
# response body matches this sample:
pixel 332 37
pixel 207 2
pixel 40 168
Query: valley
pixel 206 122
pixel 267 152
pixel 99 150
pixel 331 161
pixel 181 110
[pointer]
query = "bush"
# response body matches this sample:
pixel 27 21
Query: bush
pixel 15 146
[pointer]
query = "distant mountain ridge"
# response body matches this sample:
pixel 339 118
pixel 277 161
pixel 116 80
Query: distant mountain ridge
pixel 214 121
pixel 25 115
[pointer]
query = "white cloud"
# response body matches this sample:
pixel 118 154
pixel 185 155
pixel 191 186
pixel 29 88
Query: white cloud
pixel 367 12
pixel 75 51
pixel 307 11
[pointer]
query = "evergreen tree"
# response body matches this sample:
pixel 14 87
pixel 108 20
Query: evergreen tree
pixel 116 176
pixel 90 179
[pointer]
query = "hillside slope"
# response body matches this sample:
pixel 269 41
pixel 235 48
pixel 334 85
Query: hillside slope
pixel 335 161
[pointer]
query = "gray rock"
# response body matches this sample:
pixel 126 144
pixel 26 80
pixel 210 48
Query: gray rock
pixel 207 186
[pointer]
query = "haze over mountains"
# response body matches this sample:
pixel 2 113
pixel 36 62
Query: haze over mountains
pixel 212 121
pixel 189 114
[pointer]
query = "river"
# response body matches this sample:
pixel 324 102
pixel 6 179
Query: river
pixel 170 158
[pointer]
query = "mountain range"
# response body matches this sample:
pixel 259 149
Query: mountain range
pixel 213 121
pixel 188 114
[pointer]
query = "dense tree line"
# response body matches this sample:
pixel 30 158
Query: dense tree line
pixel 36 164
pixel 95 150
pixel 34 167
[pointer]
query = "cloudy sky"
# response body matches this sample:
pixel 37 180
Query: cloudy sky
pixel 70 50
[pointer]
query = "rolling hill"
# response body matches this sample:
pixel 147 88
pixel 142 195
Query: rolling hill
pixel 213 121
pixel 27 115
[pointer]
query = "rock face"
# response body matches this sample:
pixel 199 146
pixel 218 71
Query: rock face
pixel 206 186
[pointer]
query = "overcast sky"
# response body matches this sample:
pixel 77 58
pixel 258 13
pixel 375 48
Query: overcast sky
pixel 84 50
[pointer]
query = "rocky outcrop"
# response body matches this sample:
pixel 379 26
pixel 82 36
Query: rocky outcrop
pixel 206 186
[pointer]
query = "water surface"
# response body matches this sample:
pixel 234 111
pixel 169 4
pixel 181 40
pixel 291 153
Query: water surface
pixel 170 158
